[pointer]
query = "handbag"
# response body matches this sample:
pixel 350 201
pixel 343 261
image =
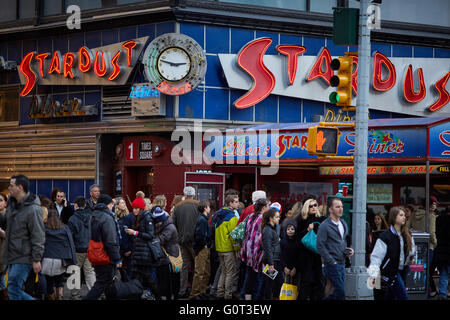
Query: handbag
pixel 176 263
pixel 237 234
pixel 96 254
pixel 129 290
pixel 288 290
pixel 155 249
pixel 310 240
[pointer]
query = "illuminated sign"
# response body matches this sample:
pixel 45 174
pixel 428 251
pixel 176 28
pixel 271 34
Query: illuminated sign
pixel 143 91
pixel 174 64
pixel 107 65
pixel 398 84
pixel 382 170
pixel 45 107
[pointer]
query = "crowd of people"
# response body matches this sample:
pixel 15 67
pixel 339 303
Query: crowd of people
pixel 192 250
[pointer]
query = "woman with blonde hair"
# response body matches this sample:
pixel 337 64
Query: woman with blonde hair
pixel 121 209
pixel 176 200
pixel 160 201
pixel 310 263
pixel 148 204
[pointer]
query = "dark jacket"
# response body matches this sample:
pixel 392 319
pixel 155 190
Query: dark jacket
pixel 103 229
pixel 270 244
pixel 442 250
pixel 142 253
pixel 168 238
pixel 290 249
pixel 25 235
pixel 59 245
pixel 390 264
pixel 90 204
pixel 79 226
pixel 310 263
pixel 66 213
pixel 184 218
pixel 329 242
pixel 202 235
pixel 127 240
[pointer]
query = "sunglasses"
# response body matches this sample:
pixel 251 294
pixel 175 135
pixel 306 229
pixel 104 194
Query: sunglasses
pixel 313 205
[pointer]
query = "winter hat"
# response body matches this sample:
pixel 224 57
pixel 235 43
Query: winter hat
pixel 105 199
pixel 159 215
pixel 138 203
pixel 433 199
pixel 276 206
pixel 258 194
pixel 189 191
pixel 291 222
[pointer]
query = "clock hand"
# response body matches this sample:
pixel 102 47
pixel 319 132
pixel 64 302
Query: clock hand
pixel 175 64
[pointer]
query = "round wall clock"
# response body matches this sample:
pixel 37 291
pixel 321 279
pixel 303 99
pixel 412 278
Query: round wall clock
pixel 174 64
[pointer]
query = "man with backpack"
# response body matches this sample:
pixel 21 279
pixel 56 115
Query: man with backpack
pixel 79 226
pixel 103 251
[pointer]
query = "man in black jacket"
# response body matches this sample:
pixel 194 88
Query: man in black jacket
pixel 62 205
pixel 79 226
pixel 105 236
pixel 202 243
pixel 442 252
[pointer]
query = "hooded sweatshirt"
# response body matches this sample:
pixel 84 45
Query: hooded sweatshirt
pixel 224 222
pixel 417 220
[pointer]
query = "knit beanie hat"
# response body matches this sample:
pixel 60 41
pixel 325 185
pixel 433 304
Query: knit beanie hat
pixel 159 215
pixel 138 203
pixel 258 194
pixel 276 206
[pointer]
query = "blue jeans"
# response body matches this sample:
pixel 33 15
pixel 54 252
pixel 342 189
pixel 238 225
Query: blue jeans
pixel 443 281
pixel 17 275
pixel 336 274
pixel 396 290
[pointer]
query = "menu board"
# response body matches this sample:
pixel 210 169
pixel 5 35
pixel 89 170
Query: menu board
pixel 379 193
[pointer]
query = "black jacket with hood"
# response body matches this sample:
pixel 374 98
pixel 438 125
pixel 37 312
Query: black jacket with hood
pixel 79 226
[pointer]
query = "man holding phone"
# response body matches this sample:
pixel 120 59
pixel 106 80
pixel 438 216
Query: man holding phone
pixel 332 246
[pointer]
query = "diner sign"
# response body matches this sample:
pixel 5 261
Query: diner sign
pixel 413 86
pixel 382 170
pixel 107 65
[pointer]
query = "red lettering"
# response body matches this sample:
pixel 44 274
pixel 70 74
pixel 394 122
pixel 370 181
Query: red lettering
pixel 99 71
pixel 296 142
pixel 69 59
pixel 355 76
pixel 292 52
pixel 84 59
pixel 408 88
pixel 444 96
pixel 379 84
pixel 288 141
pixel 25 68
pixel 317 69
pixel 250 59
pixel 55 65
pixel 304 143
pixel 41 57
pixel 116 68
pixel 280 145
pixel 350 142
pixel 128 46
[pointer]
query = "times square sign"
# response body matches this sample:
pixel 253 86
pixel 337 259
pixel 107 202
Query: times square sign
pixel 414 86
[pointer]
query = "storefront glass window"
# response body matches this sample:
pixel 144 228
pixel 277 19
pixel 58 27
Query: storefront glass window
pixel 291 192
pixel 85 4
pixel 9 105
pixel 51 7
pixel 412 195
pixel 283 4
pixel 120 2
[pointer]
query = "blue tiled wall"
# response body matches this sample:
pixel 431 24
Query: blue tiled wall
pixel 214 100
pixel 72 188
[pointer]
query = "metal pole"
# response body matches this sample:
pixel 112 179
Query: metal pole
pixel 357 276
pixel 427 198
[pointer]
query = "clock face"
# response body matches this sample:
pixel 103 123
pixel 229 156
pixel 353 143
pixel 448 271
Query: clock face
pixel 174 64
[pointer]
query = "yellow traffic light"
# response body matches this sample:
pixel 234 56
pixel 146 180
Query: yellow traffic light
pixel 323 140
pixel 342 97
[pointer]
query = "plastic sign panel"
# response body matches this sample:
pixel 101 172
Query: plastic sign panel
pixel 323 140
pixel 413 86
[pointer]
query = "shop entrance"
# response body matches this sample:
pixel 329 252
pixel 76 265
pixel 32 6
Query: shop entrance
pixel 208 186
pixel 139 179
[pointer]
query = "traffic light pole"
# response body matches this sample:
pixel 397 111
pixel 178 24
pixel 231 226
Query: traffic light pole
pixel 357 276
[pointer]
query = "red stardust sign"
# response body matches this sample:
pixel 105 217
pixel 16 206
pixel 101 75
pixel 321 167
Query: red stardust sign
pixel 57 68
pixel 384 78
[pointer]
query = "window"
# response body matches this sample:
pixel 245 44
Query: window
pixel 85 4
pixel 8 12
pixel 9 105
pixel 27 9
pixel 412 195
pixel 51 7
pixel 282 4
